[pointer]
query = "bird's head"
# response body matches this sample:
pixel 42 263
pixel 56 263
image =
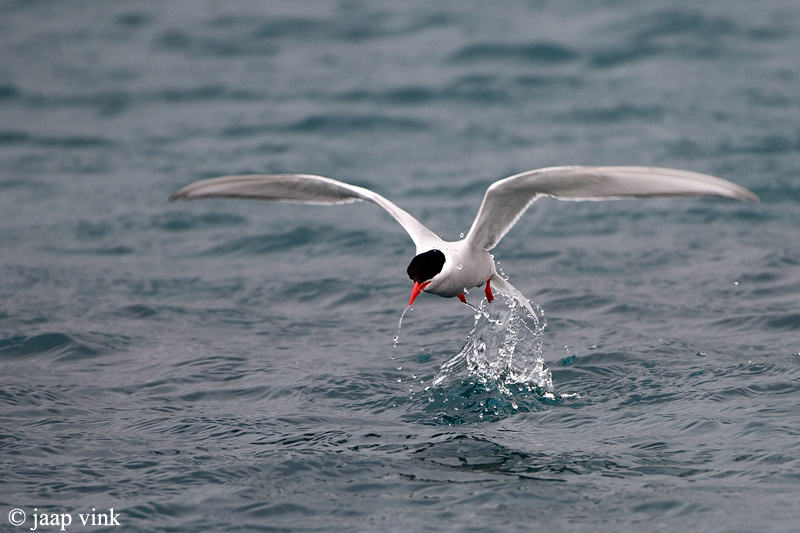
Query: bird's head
pixel 422 269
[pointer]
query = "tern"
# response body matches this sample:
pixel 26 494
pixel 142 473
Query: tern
pixel 450 269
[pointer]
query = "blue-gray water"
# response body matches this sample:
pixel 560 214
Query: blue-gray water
pixel 231 366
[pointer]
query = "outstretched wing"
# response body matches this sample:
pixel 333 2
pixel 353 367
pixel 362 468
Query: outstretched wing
pixel 304 189
pixel 506 200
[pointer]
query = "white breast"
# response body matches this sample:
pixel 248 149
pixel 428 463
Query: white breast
pixel 464 269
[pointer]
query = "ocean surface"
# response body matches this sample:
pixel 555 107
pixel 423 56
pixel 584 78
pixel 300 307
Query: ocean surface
pixel 240 366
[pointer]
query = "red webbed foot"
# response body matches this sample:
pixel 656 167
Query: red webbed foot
pixel 462 298
pixel 489 295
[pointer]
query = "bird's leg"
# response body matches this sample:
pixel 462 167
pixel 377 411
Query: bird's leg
pixel 462 298
pixel 489 295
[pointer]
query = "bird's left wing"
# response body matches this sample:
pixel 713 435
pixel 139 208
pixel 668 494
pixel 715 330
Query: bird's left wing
pixel 506 200
pixel 304 189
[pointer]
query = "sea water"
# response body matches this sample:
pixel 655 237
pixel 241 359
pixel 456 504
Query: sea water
pixel 232 366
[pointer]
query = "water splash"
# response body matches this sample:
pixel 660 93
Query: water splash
pixel 502 350
pixel 396 338
pixel 499 371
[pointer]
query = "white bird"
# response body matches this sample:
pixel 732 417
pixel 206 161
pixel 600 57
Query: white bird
pixel 450 269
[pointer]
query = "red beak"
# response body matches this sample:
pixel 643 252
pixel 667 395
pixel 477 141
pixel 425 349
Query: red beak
pixel 418 288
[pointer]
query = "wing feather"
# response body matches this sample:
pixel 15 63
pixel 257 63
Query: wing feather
pixel 304 189
pixel 506 200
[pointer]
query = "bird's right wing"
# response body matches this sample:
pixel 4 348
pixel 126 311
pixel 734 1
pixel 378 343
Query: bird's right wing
pixel 506 200
pixel 304 189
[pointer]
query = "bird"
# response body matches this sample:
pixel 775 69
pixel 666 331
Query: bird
pixel 451 268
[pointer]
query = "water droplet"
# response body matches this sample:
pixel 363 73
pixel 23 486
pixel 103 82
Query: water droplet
pixel 459 266
pixel 735 282
pixel 461 235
